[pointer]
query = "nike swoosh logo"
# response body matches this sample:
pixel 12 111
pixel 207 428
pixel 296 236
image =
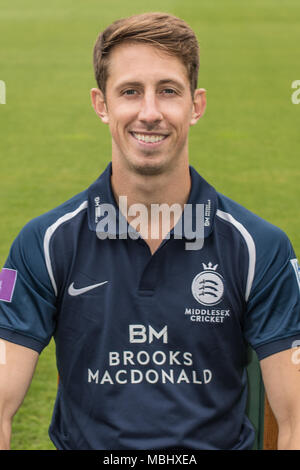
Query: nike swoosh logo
pixel 73 291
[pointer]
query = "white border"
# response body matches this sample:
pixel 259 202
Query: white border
pixel 251 248
pixel 49 232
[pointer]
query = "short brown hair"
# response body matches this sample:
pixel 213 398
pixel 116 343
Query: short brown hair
pixel 166 32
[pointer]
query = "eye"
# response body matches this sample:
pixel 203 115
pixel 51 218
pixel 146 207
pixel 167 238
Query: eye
pixel 169 91
pixel 130 92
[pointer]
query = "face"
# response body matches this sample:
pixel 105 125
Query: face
pixel 149 108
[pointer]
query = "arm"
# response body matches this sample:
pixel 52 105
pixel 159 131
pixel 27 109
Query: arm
pixel 281 376
pixel 17 366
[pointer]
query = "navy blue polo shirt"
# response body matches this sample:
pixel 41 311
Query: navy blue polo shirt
pixel 151 349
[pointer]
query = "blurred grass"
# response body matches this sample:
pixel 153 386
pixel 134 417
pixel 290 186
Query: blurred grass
pixel 53 146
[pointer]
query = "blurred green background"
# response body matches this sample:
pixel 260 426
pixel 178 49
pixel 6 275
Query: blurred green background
pixel 52 145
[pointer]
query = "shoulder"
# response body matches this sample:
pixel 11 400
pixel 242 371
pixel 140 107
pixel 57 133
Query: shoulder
pixel 32 242
pixel 251 226
pixel 270 252
pixel 38 227
pixel 30 251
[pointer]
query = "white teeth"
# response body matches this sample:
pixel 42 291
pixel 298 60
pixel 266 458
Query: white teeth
pixel 148 138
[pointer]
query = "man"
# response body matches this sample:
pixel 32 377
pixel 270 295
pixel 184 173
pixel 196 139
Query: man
pixel 151 332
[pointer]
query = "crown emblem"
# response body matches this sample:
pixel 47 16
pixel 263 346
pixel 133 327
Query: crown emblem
pixel 209 266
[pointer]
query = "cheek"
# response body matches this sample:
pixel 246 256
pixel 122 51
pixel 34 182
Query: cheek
pixel 120 119
pixel 179 117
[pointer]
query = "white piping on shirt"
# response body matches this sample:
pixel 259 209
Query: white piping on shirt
pixel 251 248
pixel 49 232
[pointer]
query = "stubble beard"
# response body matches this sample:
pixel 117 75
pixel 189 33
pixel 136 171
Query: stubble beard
pixel 149 167
pixel 149 170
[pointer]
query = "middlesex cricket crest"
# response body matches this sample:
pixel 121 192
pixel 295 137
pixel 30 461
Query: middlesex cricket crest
pixel 208 286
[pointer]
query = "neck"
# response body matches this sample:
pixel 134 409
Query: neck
pixel 167 188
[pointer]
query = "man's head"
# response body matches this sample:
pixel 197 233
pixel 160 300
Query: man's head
pixel 166 32
pixel 146 68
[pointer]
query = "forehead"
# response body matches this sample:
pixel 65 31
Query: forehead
pixel 144 62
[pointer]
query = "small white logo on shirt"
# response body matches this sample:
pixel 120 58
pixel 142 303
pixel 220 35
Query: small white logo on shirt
pixel 73 291
pixel 208 286
pixel 97 209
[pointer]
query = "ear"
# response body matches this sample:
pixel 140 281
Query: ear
pixel 99 104
pixel 199 105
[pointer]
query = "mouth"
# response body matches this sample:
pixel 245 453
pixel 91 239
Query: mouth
pixel 149 139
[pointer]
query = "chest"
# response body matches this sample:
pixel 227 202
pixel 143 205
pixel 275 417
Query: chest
pixel 173 297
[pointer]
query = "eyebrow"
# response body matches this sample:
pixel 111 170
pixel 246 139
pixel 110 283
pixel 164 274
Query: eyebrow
pixel 165 81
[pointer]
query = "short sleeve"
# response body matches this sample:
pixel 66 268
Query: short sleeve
pixel 273 311
pixel 27 299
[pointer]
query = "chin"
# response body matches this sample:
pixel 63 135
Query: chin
pixel 149 168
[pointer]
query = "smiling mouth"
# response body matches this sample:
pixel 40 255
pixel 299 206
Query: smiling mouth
pixel 148 138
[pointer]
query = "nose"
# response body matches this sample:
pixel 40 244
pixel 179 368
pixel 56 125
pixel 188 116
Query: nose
pixel 150 112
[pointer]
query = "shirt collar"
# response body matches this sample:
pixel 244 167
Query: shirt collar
pixel 100 197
